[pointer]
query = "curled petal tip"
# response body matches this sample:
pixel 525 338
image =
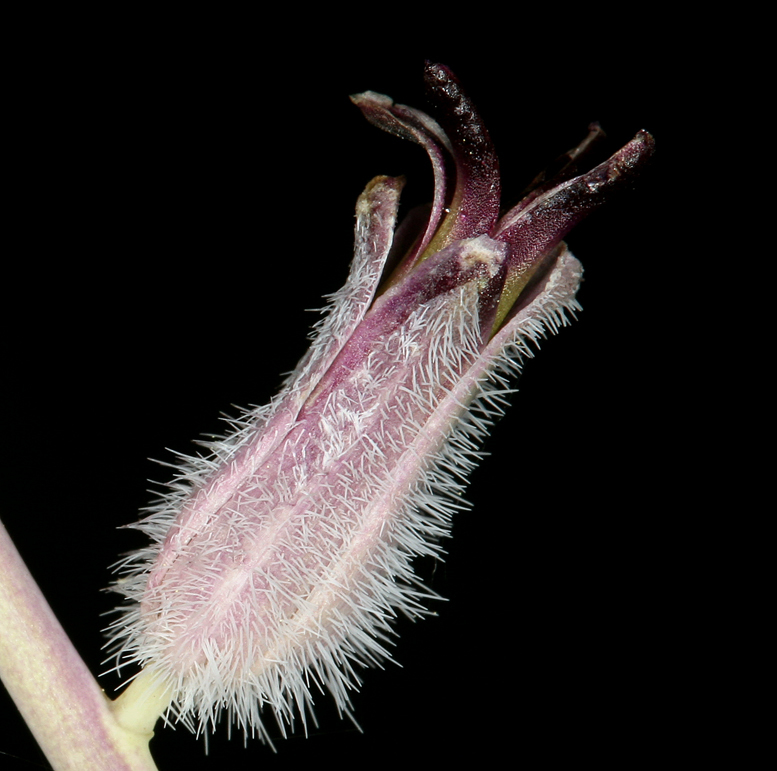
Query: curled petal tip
pixel 634 155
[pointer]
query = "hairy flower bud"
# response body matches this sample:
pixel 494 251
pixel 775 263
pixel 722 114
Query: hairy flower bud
pixel 279 561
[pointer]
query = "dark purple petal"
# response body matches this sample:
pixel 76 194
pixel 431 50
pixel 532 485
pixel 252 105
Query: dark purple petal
pixel 563 168
pixel 550 216
pixel 407 123
pixel 533 231
pixel 474 208
pixel 473 205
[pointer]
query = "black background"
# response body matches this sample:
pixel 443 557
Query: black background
pixel 182 191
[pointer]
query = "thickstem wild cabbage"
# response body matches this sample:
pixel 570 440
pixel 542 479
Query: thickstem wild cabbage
pixel 281 556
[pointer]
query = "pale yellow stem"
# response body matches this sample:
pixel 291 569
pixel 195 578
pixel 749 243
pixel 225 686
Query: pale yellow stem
pixel 142 703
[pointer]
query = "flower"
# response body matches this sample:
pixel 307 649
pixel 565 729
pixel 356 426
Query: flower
pixel 279 561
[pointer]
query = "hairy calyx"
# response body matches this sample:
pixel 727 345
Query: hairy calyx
pixel 279 561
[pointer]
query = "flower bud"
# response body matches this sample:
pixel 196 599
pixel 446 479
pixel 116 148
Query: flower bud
pixel 280 560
